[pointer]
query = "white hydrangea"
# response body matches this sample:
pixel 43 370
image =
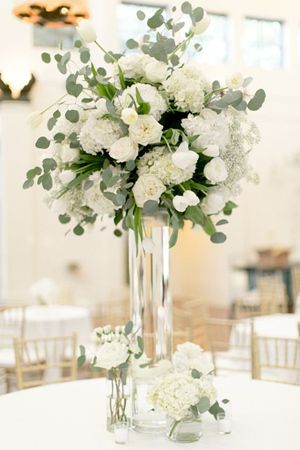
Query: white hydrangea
pixel 175 393
pixel 159 162
pixel 66 127
pixel 187 87
pixel 98 134
pixel 95 199
pixel 63 153
pixel 148 93
pixel 212 129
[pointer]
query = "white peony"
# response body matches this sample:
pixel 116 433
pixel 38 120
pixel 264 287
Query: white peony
pixel 145 130
pixel 98 134
pixel 149 95
pixel 130 65
pixel 129 115
pixel 202 26
pixel 215 171
pixel 136 65
pixel 235 81
pixel 212 129
pixel 86 31
pixel 66 176
pixel 190 350
pixel 111 355
pixel 213 203
pixel 147 187
pixel 159 162
pixel 63 153
pixel 187 87
pixel 184 158
pixel 191 356
pixel 124 150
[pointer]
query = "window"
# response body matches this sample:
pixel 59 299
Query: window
pixel 215 41
pixel 54 37
pixel 128 24
pixel 263 43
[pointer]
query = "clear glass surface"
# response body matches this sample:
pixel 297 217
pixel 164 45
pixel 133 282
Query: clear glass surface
pixel 224 423
pixel 187 430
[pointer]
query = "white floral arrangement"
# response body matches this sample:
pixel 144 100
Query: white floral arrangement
pixel 189 389
pixel 152 133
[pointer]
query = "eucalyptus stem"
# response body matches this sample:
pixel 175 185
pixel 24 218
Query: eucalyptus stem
pixel 53 104
pixel 167 144
pixel 109 55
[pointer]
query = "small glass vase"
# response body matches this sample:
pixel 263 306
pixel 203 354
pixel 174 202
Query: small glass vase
pixel 117 402
pixel 189 429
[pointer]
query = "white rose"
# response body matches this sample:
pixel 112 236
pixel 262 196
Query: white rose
pixel 124 150
pixel 235 81
pixel 215 171
pixel 66 176
pixel 86 31
pixel 191 198
pixel 212 151
pixel 183 157
pixel 111 354
pixel 202 26
pixel 156 71
pixel 180 203
pixel 35 119
pixel 147 187
pixel 213 203
pixel 145 130
pixel 129 115
pixel 129 65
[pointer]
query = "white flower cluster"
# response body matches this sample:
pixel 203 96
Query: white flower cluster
pixel 187 87
pixel 136 65
pixel 159 162
pixel 191 356
pixel 175 393
pixel 149 95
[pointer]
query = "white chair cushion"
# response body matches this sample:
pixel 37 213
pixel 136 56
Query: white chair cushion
pixel 7 358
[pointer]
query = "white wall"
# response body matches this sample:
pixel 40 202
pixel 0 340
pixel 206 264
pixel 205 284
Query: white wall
pixel 35 244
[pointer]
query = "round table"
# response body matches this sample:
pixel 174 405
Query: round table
pixel 72 416
pixel 58 320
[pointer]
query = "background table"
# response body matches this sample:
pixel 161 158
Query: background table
pixel 277 325
pixel 72 416
pixel 58 320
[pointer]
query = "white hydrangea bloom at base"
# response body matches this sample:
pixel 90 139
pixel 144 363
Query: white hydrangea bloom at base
pixel 149 95
pixel 212 129
pixel 175 393
pixel 187 87
pixel 98 134
pixel 159 162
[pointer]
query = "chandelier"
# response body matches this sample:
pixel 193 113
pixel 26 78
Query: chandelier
pixel 51 13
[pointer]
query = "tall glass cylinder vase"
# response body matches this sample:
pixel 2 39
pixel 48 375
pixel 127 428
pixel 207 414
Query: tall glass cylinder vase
pixel 151 309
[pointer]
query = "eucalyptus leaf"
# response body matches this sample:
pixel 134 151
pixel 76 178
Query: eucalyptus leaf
pixel 46 58
pixel 42 142
pixel 141 15
pixel 203 405
pixel 128 328
pixel 72 115
pixel 218 238
pixel 196 373
pixel 78 230
pixel 257 101
pixel 81 361
pixel 64 218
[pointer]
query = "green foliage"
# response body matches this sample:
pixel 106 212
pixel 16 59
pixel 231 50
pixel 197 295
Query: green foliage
pixel 128 328
pixel 257 101
pixel 218 238
pixel 150 207
pixel 42 142
pixel 132 44
pixel 196 374
pixel 141 15
pixel 216 409
pixel 49 164
pixel 72 115
pixel 78 230
pixel 64 218
pixel 203 405
pixel 229 207
pixel 46 58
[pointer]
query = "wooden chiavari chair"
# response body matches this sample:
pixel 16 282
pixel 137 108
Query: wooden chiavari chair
pixel 296 283
pixel 230 345
pixel 299 329
pixel 12 325
pixel 276 359
pixel 45 360
pixel 272 294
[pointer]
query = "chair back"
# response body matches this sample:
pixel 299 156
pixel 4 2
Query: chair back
pixel 296 282
pixel 46 360
pixel 12 325
pixel 276 359
pixel 230 344
pixel 272 294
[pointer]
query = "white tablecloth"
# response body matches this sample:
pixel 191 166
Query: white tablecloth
pixel 277 325
pixel 58 320
pixel 71 416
